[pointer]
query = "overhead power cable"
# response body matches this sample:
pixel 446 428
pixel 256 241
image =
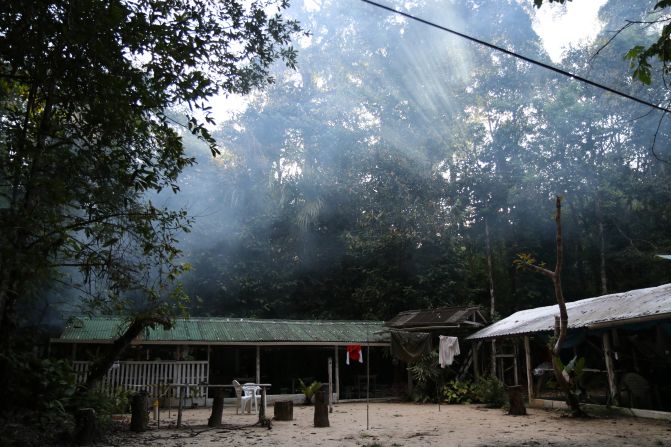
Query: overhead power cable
pixel 519 56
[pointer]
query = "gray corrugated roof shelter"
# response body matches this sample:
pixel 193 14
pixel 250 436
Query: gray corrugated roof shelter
pixel 604 311
pixel 439 318
pixel 232 331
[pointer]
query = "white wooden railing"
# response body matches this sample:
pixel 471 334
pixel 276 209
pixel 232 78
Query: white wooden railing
pixel 151 375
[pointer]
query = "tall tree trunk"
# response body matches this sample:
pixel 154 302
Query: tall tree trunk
pixel 602 248
pixel 103 364
pixel 492 296
pixel 8 300
pixel 217 408
pixel 22 265
pixel 561 321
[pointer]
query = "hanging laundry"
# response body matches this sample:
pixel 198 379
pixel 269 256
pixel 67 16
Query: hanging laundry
pixel 410 346
pixel 448 348
pixel 354 352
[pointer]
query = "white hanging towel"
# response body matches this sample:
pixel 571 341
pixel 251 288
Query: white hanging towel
pixel 448 348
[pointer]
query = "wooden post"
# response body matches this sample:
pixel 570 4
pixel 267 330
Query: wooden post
pixel 87 429
pixel 258 364
pixel 607 353
pixel 139 417
pixel 179 406
pixel 476 361
pixel 410 383
pixel 493 355
pixel 262 408
pixel 217 407
pixel 321 418
pixel 209 348
pixel 284 410
pixel 337 375
pixel 516 402
pixel 515 374
pixel 530 377
pixel 330 375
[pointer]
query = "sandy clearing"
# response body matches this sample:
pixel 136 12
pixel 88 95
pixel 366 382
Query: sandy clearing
pixel 407 424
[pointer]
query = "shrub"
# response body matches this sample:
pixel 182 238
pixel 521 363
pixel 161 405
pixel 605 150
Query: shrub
pixel 428 377
pixel 458 392
pixel 121 401
pixel 35 412
pixel 490 391
pixel 103 404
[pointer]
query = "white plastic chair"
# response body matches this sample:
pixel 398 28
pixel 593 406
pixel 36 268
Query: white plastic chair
pixel 241 398
pixel 253 394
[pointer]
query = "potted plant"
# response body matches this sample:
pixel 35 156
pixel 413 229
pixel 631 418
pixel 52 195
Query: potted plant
pixel 309 390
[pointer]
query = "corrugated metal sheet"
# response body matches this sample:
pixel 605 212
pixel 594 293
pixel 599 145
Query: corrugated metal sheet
pixel 232 330
pixel 606 310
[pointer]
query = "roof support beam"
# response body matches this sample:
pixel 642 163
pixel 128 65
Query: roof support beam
pixel 258 364
pixel 530 376
pixel 337 374
pixel 608 355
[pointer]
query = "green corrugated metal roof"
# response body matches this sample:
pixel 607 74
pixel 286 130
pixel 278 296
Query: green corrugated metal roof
pixel 233 330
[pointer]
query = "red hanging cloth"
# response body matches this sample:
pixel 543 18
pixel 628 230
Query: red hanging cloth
pixel 354 353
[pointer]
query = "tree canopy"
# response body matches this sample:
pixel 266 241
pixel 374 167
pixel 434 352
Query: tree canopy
pixel 361 185
pixel 86 135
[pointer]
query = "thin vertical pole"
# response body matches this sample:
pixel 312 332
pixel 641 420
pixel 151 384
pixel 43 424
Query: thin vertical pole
pixel 367 381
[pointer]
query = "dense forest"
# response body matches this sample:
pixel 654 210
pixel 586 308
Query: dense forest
pixel 399 167
pixel 376 165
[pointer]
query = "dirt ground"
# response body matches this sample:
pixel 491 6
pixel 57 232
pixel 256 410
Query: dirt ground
pixel 404 424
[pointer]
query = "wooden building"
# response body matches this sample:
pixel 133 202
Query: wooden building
pixel 625 339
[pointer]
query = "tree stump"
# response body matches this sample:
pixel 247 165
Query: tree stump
pixel 87 431
pixel 516 401
pixel 322 407
pixel 139 419
pixel 284 410
pixel 217 408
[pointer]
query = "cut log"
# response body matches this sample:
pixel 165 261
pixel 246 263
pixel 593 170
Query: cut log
pixel 284 410
pixel 217 408
pixel 322 407
pixel 139 419
pixel 87 431
pixel 516 401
